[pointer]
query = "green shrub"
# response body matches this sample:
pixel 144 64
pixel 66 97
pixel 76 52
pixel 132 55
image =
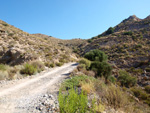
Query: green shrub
pixel 52 65
pixel 28 69
pixel 138 46
pixel 10 34
pixel 81 67
pixel 3 67
pixel 110 31
pixel 101 69
pixel 38 65
pixel 90 40
pixel 128 33
pixel 140 93
pixel 126 79
pixel 47 64
pixel 147 88
pixel 96 55
pixel 5 24
pixel 75 81
pixel 134 37
pixel 62 60
pixel 75 50
pixel 99 36
pixel 147 69
pixel 16 38
pixel 136 91
pixel 86 62
pixel 59 64
pixel 148 101
pixel 73 102
pixel 112 79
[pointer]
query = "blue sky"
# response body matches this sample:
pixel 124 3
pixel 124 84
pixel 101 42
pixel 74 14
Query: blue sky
pixel 67 19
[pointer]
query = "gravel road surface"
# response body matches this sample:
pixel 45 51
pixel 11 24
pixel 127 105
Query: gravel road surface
pixel 35 94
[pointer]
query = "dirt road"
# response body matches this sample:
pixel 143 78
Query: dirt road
pixel 22 96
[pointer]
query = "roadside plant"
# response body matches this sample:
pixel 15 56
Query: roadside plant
pixel 73 102
pixel 3 75
pixel 52 65
pixel 38 65
pixel 3 67
pixel 86 62
pixel 28 69
pixel 59 64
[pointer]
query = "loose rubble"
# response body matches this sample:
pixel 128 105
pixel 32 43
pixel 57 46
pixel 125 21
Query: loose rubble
pixel 45 103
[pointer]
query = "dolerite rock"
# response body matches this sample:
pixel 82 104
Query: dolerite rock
pixel 47 104
pixel 1 51
pixel 12 56
pixel 14 53
pixel 45 95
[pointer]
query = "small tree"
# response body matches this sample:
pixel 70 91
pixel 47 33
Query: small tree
pixel 96 55
pixel 86 62
pixel 128 33
pixel 110 31
pixel 102 69
pixel 126 79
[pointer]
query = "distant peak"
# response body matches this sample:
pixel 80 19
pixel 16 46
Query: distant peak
pixel 148 17
pixel 132 18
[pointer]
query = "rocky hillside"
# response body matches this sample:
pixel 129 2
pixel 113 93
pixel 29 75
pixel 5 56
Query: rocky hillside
pixel 73 44
pixel 127 46
pixel 17 47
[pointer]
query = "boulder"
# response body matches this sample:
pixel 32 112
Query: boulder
pixel 12 56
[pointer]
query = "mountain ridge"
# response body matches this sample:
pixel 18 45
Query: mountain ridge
pixel 18 47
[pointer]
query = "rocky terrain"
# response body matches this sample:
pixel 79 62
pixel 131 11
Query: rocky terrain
pixel 17 47
pixel 128 50
pixel 127 46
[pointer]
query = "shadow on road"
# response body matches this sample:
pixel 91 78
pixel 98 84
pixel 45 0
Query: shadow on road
pixel 66 74
pixel 75 64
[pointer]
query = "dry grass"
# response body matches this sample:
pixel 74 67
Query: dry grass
pixel 87 87
pixel 115 97
pixel 10 72
pixel 3 75
pixel 13 73
pixel 39 65
pixel 99 107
